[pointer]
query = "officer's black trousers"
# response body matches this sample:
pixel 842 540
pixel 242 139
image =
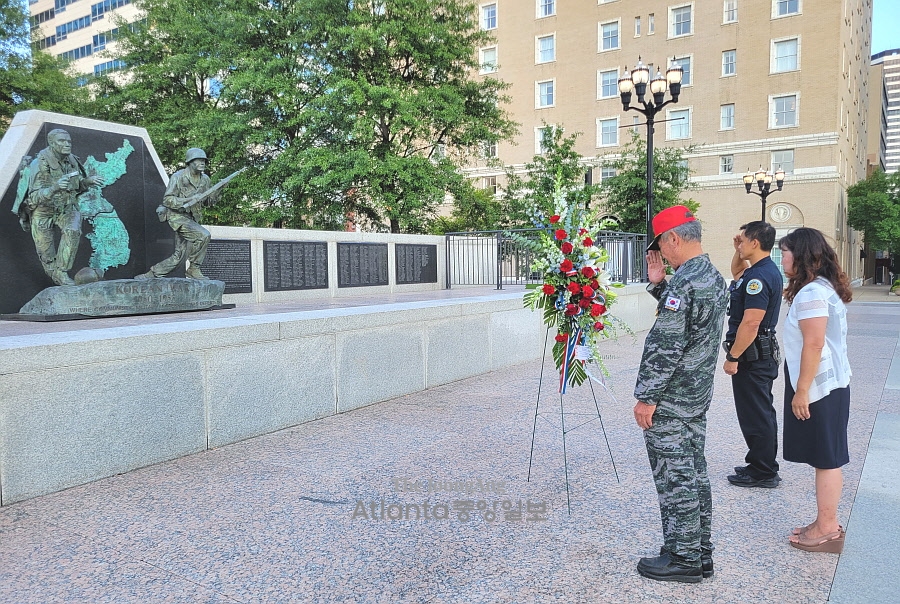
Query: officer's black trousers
pixel 752 387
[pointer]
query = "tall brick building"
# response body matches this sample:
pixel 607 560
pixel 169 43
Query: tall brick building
pixel 771 83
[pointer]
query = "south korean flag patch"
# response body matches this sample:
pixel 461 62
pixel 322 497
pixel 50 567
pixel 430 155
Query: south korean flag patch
pixel 673 303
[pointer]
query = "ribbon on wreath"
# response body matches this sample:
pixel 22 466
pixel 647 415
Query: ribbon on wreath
pixel 573 341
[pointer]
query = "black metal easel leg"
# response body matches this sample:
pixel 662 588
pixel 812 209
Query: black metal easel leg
pixel 602 427
pixel 562 416
pixel 537 404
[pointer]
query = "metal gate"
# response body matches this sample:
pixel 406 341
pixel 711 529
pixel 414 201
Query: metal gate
pixel 495 258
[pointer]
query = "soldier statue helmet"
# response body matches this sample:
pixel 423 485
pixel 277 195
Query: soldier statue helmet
pixel 194 153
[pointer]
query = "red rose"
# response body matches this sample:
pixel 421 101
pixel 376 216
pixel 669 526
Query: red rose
pixel 598 326
pixel 571 309
pixel 554 219
pixel 587 242
pixel 582 231
pixel 573 287
pixel 596 285
pixel 561 337
pixel 587 291
pixel 584 303
pixel 566 247
pixel 549 289
pixel 587 272
pixel 597 310
pixel 561 234
pixel 566 265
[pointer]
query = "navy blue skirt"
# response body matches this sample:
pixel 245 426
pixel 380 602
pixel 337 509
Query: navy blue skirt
pixel 821 440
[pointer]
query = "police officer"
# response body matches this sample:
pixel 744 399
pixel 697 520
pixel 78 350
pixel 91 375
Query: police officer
pixel 673 391
pixel 192 239
pixel 752 351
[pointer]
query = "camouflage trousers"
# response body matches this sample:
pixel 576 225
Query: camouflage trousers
pixel 675 448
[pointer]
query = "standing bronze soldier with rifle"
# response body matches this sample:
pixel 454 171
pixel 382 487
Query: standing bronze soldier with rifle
pixel 181 208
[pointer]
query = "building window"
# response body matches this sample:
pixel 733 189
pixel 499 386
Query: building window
pixel 101 8
pixel 729 57
pixel 103 68
pixel 650 24
pixel 635 122
pixel 637 27
pixel 726 113
pixel 608 132
pixel 546 49
pixel 609 36
pixel 541 135
pixel 489 59
pixel 783 111
pixel 606 172
pixel 489 16
pixel 681 21
pixel 78 53
pixel 490 150
pixel 785 55
pixel 786 7
pixel 490 184
pixel 679 124
pixel 730 12
pixel 546 8
pixel 685 63
pixel 608 84
pixel 726 164
pixel 783 160
pixel 545 94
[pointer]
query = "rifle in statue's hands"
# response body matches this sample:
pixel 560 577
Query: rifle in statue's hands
pixel 210 191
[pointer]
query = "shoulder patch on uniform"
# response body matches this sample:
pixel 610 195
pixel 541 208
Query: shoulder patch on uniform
pixel 673 303
pixel 754 286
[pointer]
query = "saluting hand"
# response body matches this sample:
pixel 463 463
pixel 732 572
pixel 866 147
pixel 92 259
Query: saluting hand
pixel 656 271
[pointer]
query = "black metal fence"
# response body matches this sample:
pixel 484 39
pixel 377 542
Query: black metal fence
pixel 495 258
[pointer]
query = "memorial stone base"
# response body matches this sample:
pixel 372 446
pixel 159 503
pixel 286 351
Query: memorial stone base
pixel 123 297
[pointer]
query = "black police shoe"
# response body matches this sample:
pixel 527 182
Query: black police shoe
pixel 662 568
pixel 745 471
pixel 745 480
pixel 706 562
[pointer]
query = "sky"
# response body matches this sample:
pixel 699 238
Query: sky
pixel 885 25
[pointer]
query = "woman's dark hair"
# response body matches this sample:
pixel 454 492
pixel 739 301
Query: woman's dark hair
pixel 813 258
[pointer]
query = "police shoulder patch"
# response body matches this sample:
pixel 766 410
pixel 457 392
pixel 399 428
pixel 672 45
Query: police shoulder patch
pixel 673 303
pixel 754 286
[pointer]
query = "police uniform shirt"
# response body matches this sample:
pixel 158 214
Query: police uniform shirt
pixel 759 287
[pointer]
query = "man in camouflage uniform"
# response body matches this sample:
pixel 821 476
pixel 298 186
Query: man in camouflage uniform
pixel 192 239
pixel 56 179
pixel 674 389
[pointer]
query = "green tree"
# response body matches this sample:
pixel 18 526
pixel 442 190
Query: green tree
pixel 624 196
pixel 561 167
pixel 873 207
pixel 346 110
pixel 473 210
pixel 31 79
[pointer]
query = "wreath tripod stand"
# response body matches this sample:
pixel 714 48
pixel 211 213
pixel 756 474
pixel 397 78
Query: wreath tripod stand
pixel 562 417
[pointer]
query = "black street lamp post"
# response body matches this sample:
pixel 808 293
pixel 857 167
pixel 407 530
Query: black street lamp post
pixel 764 183
pixel 637 81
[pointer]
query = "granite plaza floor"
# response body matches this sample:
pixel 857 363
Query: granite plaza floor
pixel 296 516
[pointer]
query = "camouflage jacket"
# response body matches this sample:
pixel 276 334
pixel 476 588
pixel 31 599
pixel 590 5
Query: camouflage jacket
pixel 681 350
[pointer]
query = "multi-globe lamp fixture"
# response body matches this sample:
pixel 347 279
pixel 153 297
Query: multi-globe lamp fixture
pixel 636 81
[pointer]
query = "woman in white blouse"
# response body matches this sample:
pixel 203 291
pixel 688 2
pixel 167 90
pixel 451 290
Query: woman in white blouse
pixel 817 378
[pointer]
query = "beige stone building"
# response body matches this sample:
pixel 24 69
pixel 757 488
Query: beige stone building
pixel 767 83
pixel 80 30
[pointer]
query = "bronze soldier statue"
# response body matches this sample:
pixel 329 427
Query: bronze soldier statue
pixel 181 208
pixel 56 178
